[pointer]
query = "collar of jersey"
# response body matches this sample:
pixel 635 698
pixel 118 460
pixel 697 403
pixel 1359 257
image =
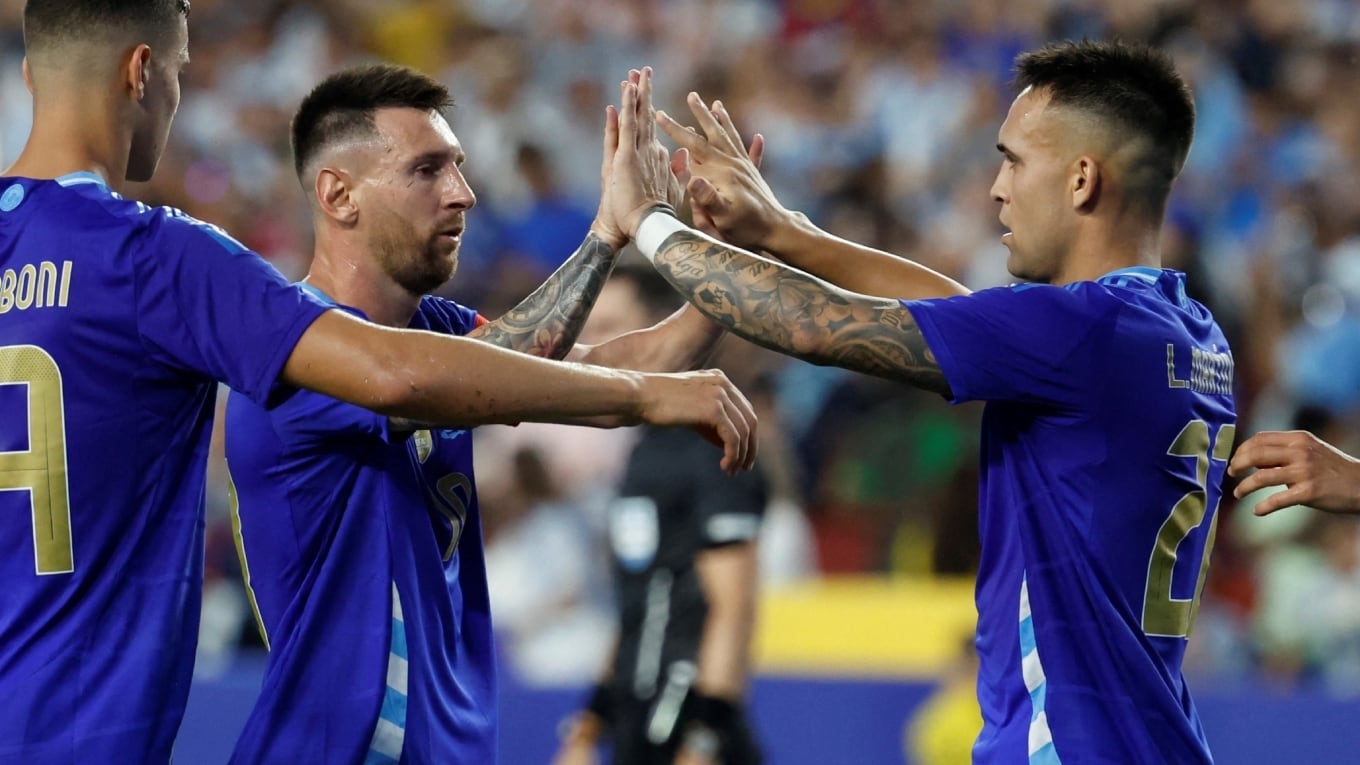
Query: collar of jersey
pixel 81 177
pixel 318 294
pixel 1149 275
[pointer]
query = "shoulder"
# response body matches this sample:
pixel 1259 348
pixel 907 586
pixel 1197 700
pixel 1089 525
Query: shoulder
pixel 1032 300
pixel 178 227
pixel 443 315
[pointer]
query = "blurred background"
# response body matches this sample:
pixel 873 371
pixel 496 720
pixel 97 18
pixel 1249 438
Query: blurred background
pixel 880 118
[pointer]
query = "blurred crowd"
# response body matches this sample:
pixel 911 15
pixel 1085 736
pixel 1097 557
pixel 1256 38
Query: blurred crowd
pixel 880 118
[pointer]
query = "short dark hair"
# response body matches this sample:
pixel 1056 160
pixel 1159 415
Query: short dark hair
pixel 48 22
pixel 342 106
pixel 1134 88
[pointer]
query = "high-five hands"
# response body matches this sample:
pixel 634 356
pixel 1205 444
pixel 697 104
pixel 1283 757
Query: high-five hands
pixel 642 173
pixel 727 187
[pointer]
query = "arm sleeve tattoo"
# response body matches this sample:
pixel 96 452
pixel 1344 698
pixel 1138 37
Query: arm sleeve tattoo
pixel 787 310
pixel 548 321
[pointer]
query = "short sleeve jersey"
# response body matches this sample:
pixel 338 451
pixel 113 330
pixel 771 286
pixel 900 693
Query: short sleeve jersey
pixel 117 320
pixel 363 554
pixel 1108 425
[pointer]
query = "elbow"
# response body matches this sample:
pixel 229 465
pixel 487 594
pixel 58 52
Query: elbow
pixel 391 389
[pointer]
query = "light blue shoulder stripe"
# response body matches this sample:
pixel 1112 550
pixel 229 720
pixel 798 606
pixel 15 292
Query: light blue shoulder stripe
pixel 80 178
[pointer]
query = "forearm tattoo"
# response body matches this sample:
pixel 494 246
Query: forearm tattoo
pixel 548 321
pixel 792 312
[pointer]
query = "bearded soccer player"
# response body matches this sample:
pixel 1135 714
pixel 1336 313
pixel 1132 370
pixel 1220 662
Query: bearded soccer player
pixel 117 321
pixel 361 535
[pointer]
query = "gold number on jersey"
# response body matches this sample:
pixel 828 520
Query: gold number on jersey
pixel 41 470
pixel 1163 614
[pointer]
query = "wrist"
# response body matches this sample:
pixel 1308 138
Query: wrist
pixel 609 235
pixel 788 233
pixel 655 226
pixel 633 220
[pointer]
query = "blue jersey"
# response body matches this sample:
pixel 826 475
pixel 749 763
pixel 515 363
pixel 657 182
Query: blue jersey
pixel 362 551
pixel 116 321
pixel 1105 439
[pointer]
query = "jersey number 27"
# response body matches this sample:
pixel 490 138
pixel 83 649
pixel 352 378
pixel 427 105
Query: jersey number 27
pixel 1164 615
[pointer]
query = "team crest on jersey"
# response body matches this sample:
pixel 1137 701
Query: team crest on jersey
pixel 424 442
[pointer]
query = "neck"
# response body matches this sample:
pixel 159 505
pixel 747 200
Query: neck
pixel 74 131
pixel 343 269
pixel 1098 251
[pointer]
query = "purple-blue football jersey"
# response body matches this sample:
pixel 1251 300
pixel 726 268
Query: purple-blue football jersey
pixel 1108 426
pixel 116 322
pixel 362 551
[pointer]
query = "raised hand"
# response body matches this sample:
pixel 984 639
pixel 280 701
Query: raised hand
pixel 709 403
pixel 641 176
pixel 605 226
pixel 726 186
pixel 1314 472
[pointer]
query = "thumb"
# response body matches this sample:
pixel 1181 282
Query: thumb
pixel 680 165
pixel 703 193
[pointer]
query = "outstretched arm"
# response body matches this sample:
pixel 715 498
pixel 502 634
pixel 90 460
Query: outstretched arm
pixel 548 321
pixel 795 313
pixel 684 340
pixel 764 301
pixel 428 377
pixel 728 188
pixel 1314 472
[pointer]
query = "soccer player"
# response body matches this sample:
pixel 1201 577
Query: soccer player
pixel 683 538
pixel 1109 416
pixel 1313 472
pixel 360 536
pixel 117 320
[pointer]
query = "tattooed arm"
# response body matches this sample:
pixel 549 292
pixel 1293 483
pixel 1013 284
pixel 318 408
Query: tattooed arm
pixel 768 303
pixel 547 322
pixel 682 341
pixel 787 310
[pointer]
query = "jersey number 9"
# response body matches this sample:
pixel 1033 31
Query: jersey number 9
pixel 41 469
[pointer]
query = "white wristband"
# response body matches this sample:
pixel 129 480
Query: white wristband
pixel 655 228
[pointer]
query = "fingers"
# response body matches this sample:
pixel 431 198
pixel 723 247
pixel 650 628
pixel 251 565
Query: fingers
pixel 611 137
pixel 681 135
pixel 725 121
pixel 702 192
pixel 1271 476
pixel 747 413
pixel 1280 500
pixel 680 166
pixel 627 134
pixel 709 124
pixel 757 151
pixel 1258 452
pixel 646 112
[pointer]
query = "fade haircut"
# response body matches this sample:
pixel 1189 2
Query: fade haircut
pixel 1135 90
pixel 51 23
pixel 341 108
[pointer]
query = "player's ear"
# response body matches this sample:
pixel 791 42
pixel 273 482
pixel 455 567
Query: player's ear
pixel 334 195
pixel 1085 183
pixel 28 77
pixel 137 71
